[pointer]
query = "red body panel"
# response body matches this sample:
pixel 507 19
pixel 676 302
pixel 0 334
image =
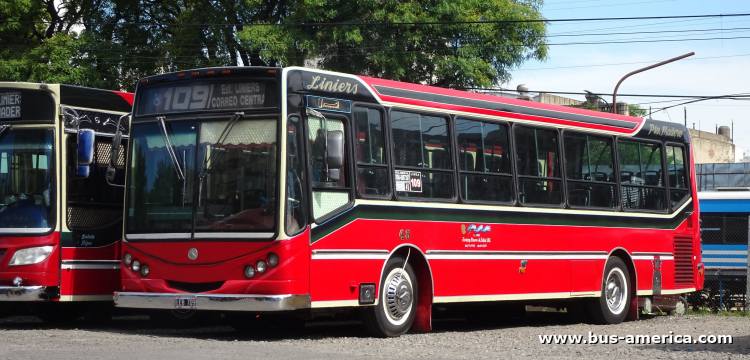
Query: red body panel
pixel 45 273
pixel 495 99
pixel 87 281
pixel 477 276
pixel 221 262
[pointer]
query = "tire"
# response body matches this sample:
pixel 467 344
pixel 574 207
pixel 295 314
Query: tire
pixel 397 301
pixel 680 308
pixel 613 305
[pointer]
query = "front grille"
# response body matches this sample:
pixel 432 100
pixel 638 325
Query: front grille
pixel 683 260
pixel 194 287
pixel 2 254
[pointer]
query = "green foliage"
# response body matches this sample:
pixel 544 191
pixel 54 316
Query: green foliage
pixel 453 55
pixel 636 110
pixel 113 43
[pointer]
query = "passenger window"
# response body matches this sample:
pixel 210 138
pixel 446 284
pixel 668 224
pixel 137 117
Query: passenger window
pixel 372 170
pixel 641 175
pixel 538 165
pixel 678 180
pixel 484 161
pixel 422 156
pixel 328 196
pixel 590 171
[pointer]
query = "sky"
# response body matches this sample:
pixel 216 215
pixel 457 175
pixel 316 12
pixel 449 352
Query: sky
pixel 719 67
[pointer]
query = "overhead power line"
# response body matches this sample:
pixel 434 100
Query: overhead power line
pixel 630 63
pixel 604 94
pixel 418 23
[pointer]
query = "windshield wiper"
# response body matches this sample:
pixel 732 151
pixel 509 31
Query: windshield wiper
pixel 3 129
pixel 222 137
pixel 170 150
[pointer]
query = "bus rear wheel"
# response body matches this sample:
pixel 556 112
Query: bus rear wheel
pixel 613 305
pixel 397 301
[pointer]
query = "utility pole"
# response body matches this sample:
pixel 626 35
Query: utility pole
pixel 614 94
pixel 685 108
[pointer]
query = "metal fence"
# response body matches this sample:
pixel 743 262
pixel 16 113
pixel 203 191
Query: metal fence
pixel 724 239
pixel 721 175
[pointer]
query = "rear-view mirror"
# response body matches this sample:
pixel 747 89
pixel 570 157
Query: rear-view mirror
pixel 114 153
pixel 84 152
pixel 335 154
pixel 86 140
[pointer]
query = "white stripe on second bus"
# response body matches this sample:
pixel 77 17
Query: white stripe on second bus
pixel 331 254
pixel 351 254
pixel 515 255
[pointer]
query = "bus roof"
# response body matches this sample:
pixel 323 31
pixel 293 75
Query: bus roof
pixel 724 201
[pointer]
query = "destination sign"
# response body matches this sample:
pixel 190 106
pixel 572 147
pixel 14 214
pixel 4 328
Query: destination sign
pixel 201 96
pixel 26 105
pixel 328 104
pixel 10 105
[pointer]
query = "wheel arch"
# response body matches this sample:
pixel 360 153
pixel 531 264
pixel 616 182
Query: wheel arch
pixel 625 256
pixel 425 284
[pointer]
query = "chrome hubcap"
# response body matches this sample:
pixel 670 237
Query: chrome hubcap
pixel 398 296
pixel 615 293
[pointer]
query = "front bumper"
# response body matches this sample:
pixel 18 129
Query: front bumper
pixel 216 302
pixel 24 293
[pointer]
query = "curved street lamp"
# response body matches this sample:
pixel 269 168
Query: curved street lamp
pixel 614 95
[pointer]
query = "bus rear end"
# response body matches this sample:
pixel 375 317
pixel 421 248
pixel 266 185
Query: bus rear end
pixel 203 224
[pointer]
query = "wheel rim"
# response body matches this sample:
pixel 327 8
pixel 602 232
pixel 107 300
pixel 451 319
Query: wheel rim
pixel 616 291
pixel 399 296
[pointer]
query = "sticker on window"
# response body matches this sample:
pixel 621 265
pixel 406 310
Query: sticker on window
pixel 408 181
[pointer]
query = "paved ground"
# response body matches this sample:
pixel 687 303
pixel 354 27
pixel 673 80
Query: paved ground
pixel 136 338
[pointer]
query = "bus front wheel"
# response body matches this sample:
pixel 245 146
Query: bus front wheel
pixel 613 305
pixel 397 301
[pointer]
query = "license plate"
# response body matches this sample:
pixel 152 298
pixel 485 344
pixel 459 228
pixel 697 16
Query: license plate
pixel 185 302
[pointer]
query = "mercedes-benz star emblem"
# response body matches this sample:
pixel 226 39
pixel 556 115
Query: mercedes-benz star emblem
pixel 193 253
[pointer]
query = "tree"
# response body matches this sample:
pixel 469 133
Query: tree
pixel 112 43
pixel 442 53
pixel 637 111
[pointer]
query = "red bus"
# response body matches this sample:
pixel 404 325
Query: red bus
pixel 306 192
pixel 60 222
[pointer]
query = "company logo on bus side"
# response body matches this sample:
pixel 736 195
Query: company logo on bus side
pixel 338 86
pixel 476 229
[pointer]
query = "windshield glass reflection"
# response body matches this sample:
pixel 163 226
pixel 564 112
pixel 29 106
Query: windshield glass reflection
pixel 229 183
pixel 26 179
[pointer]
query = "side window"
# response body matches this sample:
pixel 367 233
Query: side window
pixel 328 196
pixel 484 161
pixel 590 170
pixel 538 165
pixel 372 169
pixel 296 202
pixel 678 180
pixel 422 156
pixel 641 175
pixel 91 202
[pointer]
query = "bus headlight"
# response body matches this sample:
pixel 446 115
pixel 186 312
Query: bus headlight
pixel 30 256
pixel 261 266
pixel 249 271
pixel 145 270
pixel 273 260
pixel 127 259
pixel 136 265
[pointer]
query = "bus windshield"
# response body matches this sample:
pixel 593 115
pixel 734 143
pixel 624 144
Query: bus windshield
pixel 229 182
pixel 26 179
